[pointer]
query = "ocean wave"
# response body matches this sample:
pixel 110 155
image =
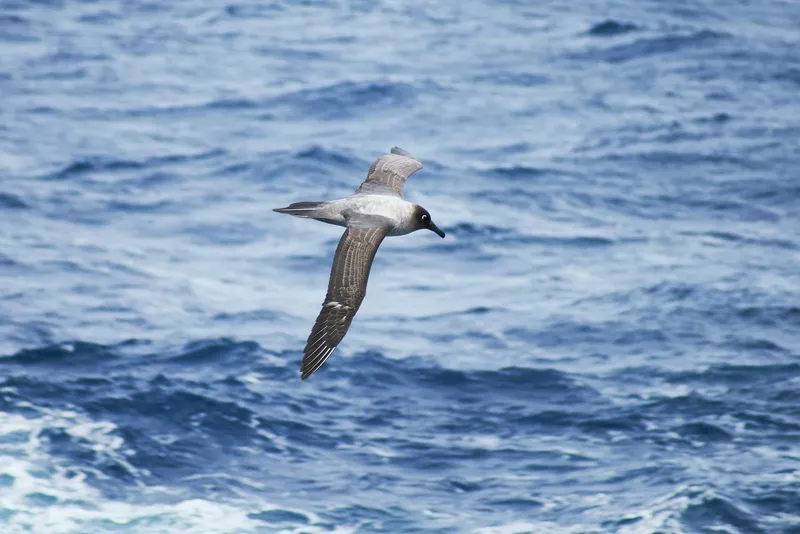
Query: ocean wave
pixel 101 164
pixel 711 511
pixel 647 47
pixel 11 201
pixel 347 99
pixel 610 28
pixel 17 29
pixel 513 79
pixel 179 413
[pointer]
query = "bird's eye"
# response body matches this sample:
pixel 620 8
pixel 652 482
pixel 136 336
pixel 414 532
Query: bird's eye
pixel 424 217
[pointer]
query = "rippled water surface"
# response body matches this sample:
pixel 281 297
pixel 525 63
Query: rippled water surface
pixel 607 341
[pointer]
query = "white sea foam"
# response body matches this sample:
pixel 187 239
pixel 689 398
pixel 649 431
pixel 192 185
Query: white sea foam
pixel 40 493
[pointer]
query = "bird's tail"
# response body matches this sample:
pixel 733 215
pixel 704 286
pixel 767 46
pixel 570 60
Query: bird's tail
pixel 302 209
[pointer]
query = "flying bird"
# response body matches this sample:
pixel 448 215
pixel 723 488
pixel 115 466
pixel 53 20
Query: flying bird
pixel 374 211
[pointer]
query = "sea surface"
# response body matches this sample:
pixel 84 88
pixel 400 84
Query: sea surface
pixel 607 341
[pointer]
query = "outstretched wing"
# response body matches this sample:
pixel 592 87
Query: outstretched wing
pixel 389 173
pixel 346 290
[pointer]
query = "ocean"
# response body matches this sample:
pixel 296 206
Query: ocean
pixel 607 341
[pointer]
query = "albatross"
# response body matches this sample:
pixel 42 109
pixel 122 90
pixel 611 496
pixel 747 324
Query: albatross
pixel 374 211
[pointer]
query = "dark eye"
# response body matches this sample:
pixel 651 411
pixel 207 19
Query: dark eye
pixel 424 217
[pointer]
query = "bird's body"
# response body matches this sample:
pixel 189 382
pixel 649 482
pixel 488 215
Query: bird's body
pixel 395 210
pixel 374 211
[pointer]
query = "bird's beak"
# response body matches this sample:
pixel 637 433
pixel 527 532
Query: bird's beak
pixel 433 228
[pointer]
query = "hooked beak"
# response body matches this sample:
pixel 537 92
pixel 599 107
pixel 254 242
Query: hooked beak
pixel 433 228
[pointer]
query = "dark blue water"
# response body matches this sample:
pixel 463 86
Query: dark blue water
pixel 608 341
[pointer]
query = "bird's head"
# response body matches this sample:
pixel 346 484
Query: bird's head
pixel 423 221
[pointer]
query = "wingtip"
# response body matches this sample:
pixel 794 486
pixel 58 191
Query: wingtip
pixel 305 374
pixel 307 371
pixel 401 152
pixel 309 367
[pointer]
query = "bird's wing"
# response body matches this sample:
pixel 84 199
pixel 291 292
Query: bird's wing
pixel 346 290
pixel 388 173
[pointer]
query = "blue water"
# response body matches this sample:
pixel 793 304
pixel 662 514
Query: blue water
pixel 607 341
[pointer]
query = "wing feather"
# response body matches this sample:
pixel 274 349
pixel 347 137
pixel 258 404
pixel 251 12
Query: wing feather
pixel 346 290
pixel 388 173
